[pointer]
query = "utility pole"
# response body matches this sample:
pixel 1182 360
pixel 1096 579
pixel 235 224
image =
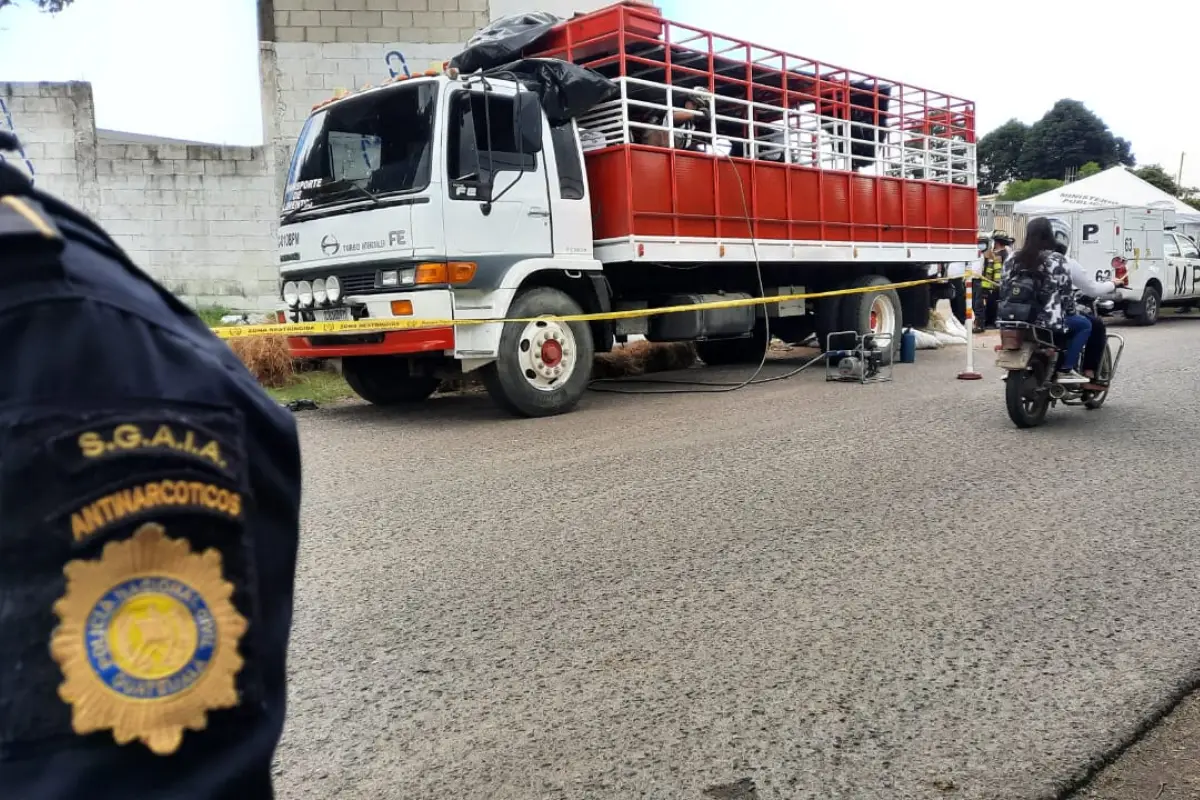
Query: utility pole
pixel 1179 177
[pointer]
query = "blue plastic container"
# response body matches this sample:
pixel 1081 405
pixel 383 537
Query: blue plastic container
pixel 908 346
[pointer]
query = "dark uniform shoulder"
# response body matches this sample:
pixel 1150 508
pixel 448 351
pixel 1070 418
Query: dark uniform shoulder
pixel 150 497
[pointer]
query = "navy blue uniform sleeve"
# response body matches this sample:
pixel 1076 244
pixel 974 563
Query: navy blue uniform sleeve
pixel 149 499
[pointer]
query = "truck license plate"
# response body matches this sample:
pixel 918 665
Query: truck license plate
pixel 333 314
pixel 1015 359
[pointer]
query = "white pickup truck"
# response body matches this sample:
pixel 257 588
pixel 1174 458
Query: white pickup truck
pixel 1163 265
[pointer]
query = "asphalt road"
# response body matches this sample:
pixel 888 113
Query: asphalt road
pixel 816 590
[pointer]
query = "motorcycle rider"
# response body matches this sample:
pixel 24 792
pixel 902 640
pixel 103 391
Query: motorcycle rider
pixel 1056 295
pixel 1087 289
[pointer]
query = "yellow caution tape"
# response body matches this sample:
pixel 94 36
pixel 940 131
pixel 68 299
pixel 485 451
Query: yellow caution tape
pixel 399 324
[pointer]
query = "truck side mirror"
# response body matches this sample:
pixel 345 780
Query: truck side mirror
pixel 528 118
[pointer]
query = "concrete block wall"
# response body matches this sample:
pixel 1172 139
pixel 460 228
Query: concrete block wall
pixel 51 120
pixel 198 218
pixel 380 21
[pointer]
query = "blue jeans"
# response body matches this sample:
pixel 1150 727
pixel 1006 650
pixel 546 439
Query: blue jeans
pixel 1079 328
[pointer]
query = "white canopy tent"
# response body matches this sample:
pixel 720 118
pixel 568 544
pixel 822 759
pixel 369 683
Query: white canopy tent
pixel 1116 186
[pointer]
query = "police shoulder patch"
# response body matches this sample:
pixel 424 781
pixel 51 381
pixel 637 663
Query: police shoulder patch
pixel 147 640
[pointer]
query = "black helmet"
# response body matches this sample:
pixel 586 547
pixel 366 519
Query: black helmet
pixel 9 142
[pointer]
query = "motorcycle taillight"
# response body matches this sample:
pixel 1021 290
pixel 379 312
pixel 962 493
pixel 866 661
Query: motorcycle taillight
pixel 1011 339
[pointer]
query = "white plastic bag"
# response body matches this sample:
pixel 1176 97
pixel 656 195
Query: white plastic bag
pixel 926 341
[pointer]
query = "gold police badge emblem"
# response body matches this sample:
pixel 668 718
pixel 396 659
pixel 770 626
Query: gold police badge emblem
pixel 147 640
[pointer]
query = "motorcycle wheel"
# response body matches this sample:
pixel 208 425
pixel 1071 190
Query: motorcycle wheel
pixel 1093 400
pixel 1027 407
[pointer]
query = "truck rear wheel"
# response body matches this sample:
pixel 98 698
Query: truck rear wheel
pixel 543 367
pixel 386 380
pixel 873 312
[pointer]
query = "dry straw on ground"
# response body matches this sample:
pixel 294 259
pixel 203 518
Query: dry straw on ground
pixel 267 358
pixel 641 358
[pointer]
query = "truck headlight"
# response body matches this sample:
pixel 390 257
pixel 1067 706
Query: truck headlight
pixel 291 294
pixel 319 292
pixel 306 294
pixel 333 288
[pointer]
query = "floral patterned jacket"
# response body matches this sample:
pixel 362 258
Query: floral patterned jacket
pixel 1057 293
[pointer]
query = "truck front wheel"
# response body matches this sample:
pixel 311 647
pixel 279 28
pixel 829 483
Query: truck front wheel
pixel 386 380
pixel 543 367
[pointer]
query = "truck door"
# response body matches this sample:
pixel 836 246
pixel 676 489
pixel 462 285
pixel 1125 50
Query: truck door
pixel 484 161
pixel 1185 271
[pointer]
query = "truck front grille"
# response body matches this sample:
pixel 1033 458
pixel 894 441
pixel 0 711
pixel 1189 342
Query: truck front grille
pixel 358 283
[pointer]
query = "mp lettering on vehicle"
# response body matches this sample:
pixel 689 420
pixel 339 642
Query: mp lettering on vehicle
pixel 1181 280
pixel 1089 231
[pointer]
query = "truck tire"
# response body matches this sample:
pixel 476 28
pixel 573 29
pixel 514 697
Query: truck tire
pixel 385 381
pixel 746 350
pixel 1151 306
pixel 543 367
pixel 878 311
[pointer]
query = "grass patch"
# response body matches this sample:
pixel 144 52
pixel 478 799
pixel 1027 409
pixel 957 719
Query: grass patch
pixel 320 386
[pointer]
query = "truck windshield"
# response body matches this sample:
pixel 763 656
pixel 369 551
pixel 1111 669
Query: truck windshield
pixel 365 147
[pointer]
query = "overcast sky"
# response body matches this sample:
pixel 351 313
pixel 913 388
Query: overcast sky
pixel 189 69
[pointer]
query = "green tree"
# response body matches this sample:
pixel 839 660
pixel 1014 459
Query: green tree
pixel 1154 174
pixel 999 154
pixel 1023 190
pixel 1089 169
pixel 53 6
pixel 1070 135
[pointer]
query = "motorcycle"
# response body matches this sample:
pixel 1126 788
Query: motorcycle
pixel 1030 355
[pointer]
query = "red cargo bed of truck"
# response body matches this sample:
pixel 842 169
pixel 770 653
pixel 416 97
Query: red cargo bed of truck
pixel 795 161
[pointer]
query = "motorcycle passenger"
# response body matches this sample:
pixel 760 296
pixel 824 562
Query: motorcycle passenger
pixel 1056 296
pixel 1087 290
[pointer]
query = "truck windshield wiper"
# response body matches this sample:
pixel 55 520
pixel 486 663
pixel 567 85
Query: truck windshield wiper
pixel 329 191
pixel 339 188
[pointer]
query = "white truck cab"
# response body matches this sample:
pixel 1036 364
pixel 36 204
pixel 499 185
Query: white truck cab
pixel 436 199
pixel 1163 265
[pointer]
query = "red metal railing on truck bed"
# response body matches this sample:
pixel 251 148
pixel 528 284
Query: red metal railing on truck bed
pixel 823 154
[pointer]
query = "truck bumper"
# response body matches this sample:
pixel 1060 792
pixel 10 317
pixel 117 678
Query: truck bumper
pixel 431 304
